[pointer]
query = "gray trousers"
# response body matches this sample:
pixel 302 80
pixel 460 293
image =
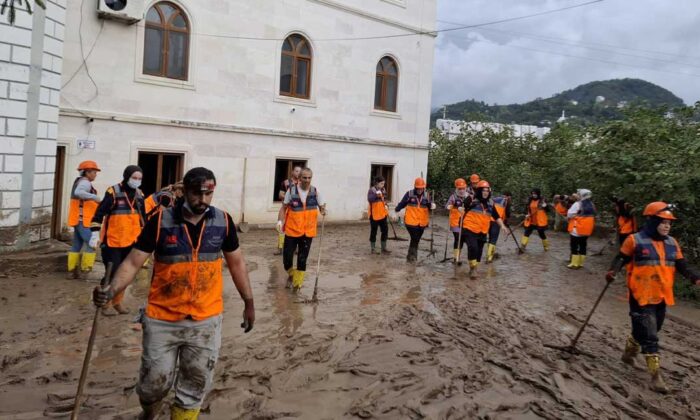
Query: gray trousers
pixel 182 353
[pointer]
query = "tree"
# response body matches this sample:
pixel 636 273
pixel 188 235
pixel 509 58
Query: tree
pixel 11 7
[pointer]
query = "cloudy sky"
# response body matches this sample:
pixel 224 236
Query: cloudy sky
pixel 514 62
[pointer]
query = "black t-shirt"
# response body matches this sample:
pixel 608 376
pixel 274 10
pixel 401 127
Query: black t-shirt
pixel 147 239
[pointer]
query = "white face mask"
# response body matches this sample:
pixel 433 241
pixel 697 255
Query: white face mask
pixel 134 183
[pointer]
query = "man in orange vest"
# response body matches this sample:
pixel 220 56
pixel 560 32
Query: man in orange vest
pixel 418 205
pixel 163 199
pixel 378 214
pixel 455 205
pixel 117 223
pixel 473 181
pixel 183 314
pixel 284 187
pixel 536 219
pixel 502 206
pixel 560 211
pixel 626 224
pixel 298 220
pixel 581 216
pixel 652 258
pixel 477 221
pixel 83 205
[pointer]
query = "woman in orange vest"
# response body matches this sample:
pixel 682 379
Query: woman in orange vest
pixel 502 205
pixel 378 214
pixel 626 225
pixel 581 217
pixel 83 205
pixel 455 205
pixel 652 258
pixel 536 218
pixel 418 205
pixel 117 223
pixel 477 221
pixel 298 219
pixel 560 210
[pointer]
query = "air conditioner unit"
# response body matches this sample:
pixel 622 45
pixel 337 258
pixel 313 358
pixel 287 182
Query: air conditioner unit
pixel 128 11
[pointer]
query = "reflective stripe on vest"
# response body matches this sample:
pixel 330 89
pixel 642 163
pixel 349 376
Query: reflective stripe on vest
pixel 650 275
pixel 302 217
pixel 124 222
pixel 81 210
pixel 499 203
pixel 187 277
pixel 478 218
pixel 417 213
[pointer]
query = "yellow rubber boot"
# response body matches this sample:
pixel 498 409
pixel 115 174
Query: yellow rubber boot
pixel 290 274
pixel 73 261
pixel 280 244
pixel 455 253
pixel 574 262
pixel 581 259
pixel 298 279
pixel 87 262
pixel 473 265
pixel 524 241
pixel 177 413
pixel 654 367
pixel 632 349
pixel 545 244
pixel 490 252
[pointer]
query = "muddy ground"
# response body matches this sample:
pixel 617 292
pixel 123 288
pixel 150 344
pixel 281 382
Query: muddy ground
pixel 386 340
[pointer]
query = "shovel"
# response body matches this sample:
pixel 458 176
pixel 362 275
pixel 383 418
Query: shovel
pixel 314 298
pixel 243 225
pixel 520 250
pixel 395 238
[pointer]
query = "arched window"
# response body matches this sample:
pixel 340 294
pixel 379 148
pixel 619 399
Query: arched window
pixel 386 85
pixel 295 71
pixel 167 42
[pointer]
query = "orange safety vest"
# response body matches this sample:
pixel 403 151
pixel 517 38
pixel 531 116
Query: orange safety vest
pixel 301 218
pixel 454 213
pixel 499 203
pixel 124 222
pixel 536 216
pixel 650 274
pixel 417 209
pixel 478 217
pixel 377 209
pixel 81 210
pixel 626 225
pixel 151 202
pixel 584 221
pixel 187 279
pixel 560 208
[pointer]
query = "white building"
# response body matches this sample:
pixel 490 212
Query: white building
pixel 251 84
pixel 30 82
pixel 453 128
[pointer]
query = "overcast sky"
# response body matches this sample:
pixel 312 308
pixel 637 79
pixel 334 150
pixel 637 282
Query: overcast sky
pixel 514 62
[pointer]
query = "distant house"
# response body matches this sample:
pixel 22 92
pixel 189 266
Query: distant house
pixel 452 128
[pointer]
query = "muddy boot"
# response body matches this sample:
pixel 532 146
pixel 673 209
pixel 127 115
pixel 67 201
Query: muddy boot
pixel 107 311
pixel 523 242
pixel 73 262
pixel 290 278
pixel 632 349
pixel 177 413
pixel 455 256
pixel 373 248
pixel 412 254
pixel 574 262
pixel 119 308
pixel 490 252
pixel 150 411
pixel 280 244
pixel 654 367
pixel 298 279
pixel 545 244
pixel 86 264
pixel 385 250
pixel 473 265
pixel 581 260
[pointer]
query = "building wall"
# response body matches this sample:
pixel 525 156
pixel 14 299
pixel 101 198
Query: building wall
pixel 230 108
pixel 30 82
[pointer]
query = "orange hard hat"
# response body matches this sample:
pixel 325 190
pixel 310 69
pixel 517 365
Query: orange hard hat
pixel 659 209
pixel 419 183
pixel 87 165
pixel 483 184
pixel 474 178
pixel 460 183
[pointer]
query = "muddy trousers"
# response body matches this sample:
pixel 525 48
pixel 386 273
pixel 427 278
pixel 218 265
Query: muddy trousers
pixel 646 323
pixel 303 243
pixel 81 237
pixel 183 353
pixel 455 244
pixel 415 232
pixel 494 233
pixel 578 244
pixel 115 256
pixel 475 244
pixel 383 227
pixel 540 231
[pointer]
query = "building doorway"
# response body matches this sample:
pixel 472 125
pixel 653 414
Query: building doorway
pixel 58 174
pixel 283 171
pixel 160 169
pixel 387 171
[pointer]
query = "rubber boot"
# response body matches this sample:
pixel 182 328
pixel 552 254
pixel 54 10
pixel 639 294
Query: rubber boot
pixel 545 244
pixel 654 367
pixel 524 241
pixel 473 265
pixel 150 411
pixel 412 254
pixel 455 252
pixel 373 248
pixel 581 260
pixel 73 261
pixel 177 413
pixel 290 277
pixel 87 263
pixel 574 262
pixel 632 349
pixel 298 279
pixel 280 244
pixel 385 250
pixel 490 252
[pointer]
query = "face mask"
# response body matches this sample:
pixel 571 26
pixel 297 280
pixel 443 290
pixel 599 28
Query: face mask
pixel 134 183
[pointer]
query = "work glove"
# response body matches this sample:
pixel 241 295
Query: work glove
pixel 248 315
pixel 278 227
pixel 610 276
pixel 393 217
pixel 432 206
pixel 461 211
pixel 94 239
pixel 450 207
pixel 100 295
pixel 379 194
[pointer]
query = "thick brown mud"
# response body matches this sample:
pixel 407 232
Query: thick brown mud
pixel 385 340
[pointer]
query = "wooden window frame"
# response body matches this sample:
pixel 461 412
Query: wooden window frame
pixel 296 58
pixel 291 162
pixel 165 29
pixel 378 169
pixel 385 75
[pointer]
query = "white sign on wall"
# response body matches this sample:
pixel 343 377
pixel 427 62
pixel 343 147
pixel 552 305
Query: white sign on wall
pixel 86 144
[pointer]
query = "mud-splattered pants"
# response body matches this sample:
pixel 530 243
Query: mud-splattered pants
pixel 116 256
pixel 475 244
pixel 383 227
pixel 182 353
pixel 646 323
pixel 494 233
pixel 303 243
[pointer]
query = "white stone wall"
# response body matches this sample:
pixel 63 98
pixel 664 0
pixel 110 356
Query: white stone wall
pixel 230 107
pixel 29 121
